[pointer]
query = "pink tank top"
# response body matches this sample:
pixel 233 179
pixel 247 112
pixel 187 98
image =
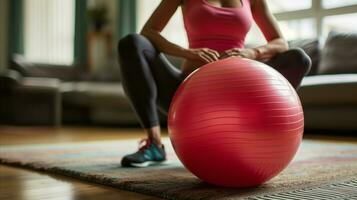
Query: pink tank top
pixel 209 26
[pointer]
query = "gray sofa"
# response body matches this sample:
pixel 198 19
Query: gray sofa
pixel 33 94
pixel 29 101
pixel 328 95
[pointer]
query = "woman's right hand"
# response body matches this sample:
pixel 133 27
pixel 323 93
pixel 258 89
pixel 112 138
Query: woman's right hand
pixel 204 55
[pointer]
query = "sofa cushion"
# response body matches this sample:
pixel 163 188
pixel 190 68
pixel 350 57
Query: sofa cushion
pixel 41 82
pixel 329 90
pixel 92 94
pixel 64 72
pixel 339 54
pixel 106 101
pixel 9 79
pixel 311 48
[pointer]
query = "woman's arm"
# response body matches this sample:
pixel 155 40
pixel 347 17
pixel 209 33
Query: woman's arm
pixel 268 25
pixel 156 23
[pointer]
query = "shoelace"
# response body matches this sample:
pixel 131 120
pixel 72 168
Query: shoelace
pixel 144 144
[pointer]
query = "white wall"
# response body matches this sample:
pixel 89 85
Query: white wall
pixel 3 33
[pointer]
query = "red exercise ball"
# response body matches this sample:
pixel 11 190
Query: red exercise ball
pixel 235 122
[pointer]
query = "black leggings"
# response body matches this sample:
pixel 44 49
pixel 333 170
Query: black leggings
pixel 150 80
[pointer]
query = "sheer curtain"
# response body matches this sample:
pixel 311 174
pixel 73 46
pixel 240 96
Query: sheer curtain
pixel 49 31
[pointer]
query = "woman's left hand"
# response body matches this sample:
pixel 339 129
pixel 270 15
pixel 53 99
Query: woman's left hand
pixel 243 53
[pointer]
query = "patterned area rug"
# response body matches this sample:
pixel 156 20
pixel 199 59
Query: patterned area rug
pixel 321 170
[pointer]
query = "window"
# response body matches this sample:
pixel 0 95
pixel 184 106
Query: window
pixel 346 23
pixel 299 28
pixel 314 18
pixel 277 6
pixel 49 31
pixel 338 3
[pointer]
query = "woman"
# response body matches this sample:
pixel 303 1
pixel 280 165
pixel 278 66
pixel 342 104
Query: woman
pixel 216 29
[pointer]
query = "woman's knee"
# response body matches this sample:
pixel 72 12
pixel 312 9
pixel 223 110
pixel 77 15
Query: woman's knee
pixel 300 59
pixel 130 42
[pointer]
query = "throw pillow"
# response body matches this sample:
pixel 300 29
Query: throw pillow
pixel 339 54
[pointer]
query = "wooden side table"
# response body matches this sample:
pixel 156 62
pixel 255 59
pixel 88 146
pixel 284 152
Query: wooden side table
pixel 99 49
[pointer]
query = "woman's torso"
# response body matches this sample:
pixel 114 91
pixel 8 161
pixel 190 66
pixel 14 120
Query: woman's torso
pixel 214 27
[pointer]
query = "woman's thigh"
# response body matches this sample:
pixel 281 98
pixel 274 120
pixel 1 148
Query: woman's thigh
pixel 141 60
pixel 167 78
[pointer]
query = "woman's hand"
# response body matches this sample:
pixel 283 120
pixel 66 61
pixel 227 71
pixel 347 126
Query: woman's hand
pixel 243 53
pixel 204 55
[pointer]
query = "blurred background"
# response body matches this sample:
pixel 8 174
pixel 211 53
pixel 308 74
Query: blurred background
pixel 58 59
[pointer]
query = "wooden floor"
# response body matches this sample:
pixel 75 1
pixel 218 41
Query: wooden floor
pixel 16 183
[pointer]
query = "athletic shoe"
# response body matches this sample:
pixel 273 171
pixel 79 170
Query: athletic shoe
pixel 148 154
